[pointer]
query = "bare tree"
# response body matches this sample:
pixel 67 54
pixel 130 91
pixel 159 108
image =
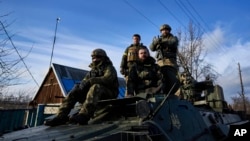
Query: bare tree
pixel 192 53
pixel 9 65
pixel 238 105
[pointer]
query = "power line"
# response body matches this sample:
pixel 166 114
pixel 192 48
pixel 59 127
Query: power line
pixel 18 53
pixel 197 13
pixel 140 13
pixel 172 14
pixel 188 12
pixel 211 38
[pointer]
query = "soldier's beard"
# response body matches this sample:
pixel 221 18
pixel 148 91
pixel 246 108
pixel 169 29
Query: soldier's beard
pixel 143 58
pixel 96 63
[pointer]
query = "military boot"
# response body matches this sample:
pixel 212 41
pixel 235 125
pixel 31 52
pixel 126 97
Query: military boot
pixel 65 108
pixel 58 120
pixel 80 118
pixel 62 115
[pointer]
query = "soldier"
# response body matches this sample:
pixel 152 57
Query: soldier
pixel 100 83
pixel 130 56
pixel 144 76
pixel 187 83
pixel 166 46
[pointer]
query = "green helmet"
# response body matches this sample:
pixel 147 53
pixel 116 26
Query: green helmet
pixel 165 26
pixel 99 52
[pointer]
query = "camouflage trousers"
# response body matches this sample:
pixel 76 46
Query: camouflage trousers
pixel 126 89
pixel 88 99
pixel 170 78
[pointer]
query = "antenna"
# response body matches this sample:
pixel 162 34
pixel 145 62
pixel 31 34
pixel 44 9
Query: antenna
pixel 57 21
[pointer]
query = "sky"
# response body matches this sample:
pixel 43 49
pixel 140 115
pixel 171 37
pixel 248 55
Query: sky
pixel 85 25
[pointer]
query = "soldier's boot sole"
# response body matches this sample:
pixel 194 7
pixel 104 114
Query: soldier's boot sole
pixel 81 119
pixel 56 121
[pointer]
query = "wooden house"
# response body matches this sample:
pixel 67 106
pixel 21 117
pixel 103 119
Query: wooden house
pixel 59 81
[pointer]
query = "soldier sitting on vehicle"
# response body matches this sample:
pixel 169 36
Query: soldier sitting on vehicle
pixel 100 83
pixel 191 90
pixel 187 86
pixel 144 76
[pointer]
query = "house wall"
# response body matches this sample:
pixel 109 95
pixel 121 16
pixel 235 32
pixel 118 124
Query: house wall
pixel 49 91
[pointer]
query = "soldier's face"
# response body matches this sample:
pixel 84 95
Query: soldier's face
pixel 164 32
pixel 96 58
pixel 136 40
pixel 143 54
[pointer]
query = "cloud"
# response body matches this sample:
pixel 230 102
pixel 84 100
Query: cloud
pixel 213 39
pixel 74 51
pixel 225 59
pixel 69 50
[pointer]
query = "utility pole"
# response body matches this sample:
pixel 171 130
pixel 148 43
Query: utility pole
pixel 242 90
pixel 57 21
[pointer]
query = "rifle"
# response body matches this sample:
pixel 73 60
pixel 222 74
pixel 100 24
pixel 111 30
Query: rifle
pixel 158 47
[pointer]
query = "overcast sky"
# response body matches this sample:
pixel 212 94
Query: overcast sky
pixel 109 24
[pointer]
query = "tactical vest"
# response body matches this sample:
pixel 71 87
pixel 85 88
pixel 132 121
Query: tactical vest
pixel 169 47
pixel 132 54
pixel 166 55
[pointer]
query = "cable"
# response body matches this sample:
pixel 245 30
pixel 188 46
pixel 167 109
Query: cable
pixel 140 13
pixel 212 38
pixel 184 9
pixel 165 7
pixel 18 53
pixel 217 45
pixel 198 14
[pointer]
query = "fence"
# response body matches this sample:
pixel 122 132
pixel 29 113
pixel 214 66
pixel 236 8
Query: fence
pixel 16 119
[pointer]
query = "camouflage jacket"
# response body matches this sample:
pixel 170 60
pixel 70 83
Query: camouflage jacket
pixel 104 74
pixel 166 47
pixel 130 57
pixel 143 75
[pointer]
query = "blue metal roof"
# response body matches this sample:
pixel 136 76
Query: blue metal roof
pixel 67 77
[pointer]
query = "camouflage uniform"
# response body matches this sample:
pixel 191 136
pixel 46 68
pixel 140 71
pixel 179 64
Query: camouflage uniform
pixel 187 86
pixel 144 76
pixel 129 57
pixel 100 83
pixel 166 47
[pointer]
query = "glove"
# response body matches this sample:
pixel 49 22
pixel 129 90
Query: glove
pixel 156 40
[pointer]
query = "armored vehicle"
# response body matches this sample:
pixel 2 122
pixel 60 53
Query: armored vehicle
pixel 148 117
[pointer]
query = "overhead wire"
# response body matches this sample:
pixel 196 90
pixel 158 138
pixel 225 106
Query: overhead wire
pixel 172 14
pixel 210 37
pixel 139 12
pixel 217 45
pixel 186 10
pixel 197 13
pixel 205 23
pixel 21 58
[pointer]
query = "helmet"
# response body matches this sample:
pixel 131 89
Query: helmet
pixel 165 26
pixel 99 52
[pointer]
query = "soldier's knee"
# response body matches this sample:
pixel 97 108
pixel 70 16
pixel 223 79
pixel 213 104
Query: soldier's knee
pixel 95 86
